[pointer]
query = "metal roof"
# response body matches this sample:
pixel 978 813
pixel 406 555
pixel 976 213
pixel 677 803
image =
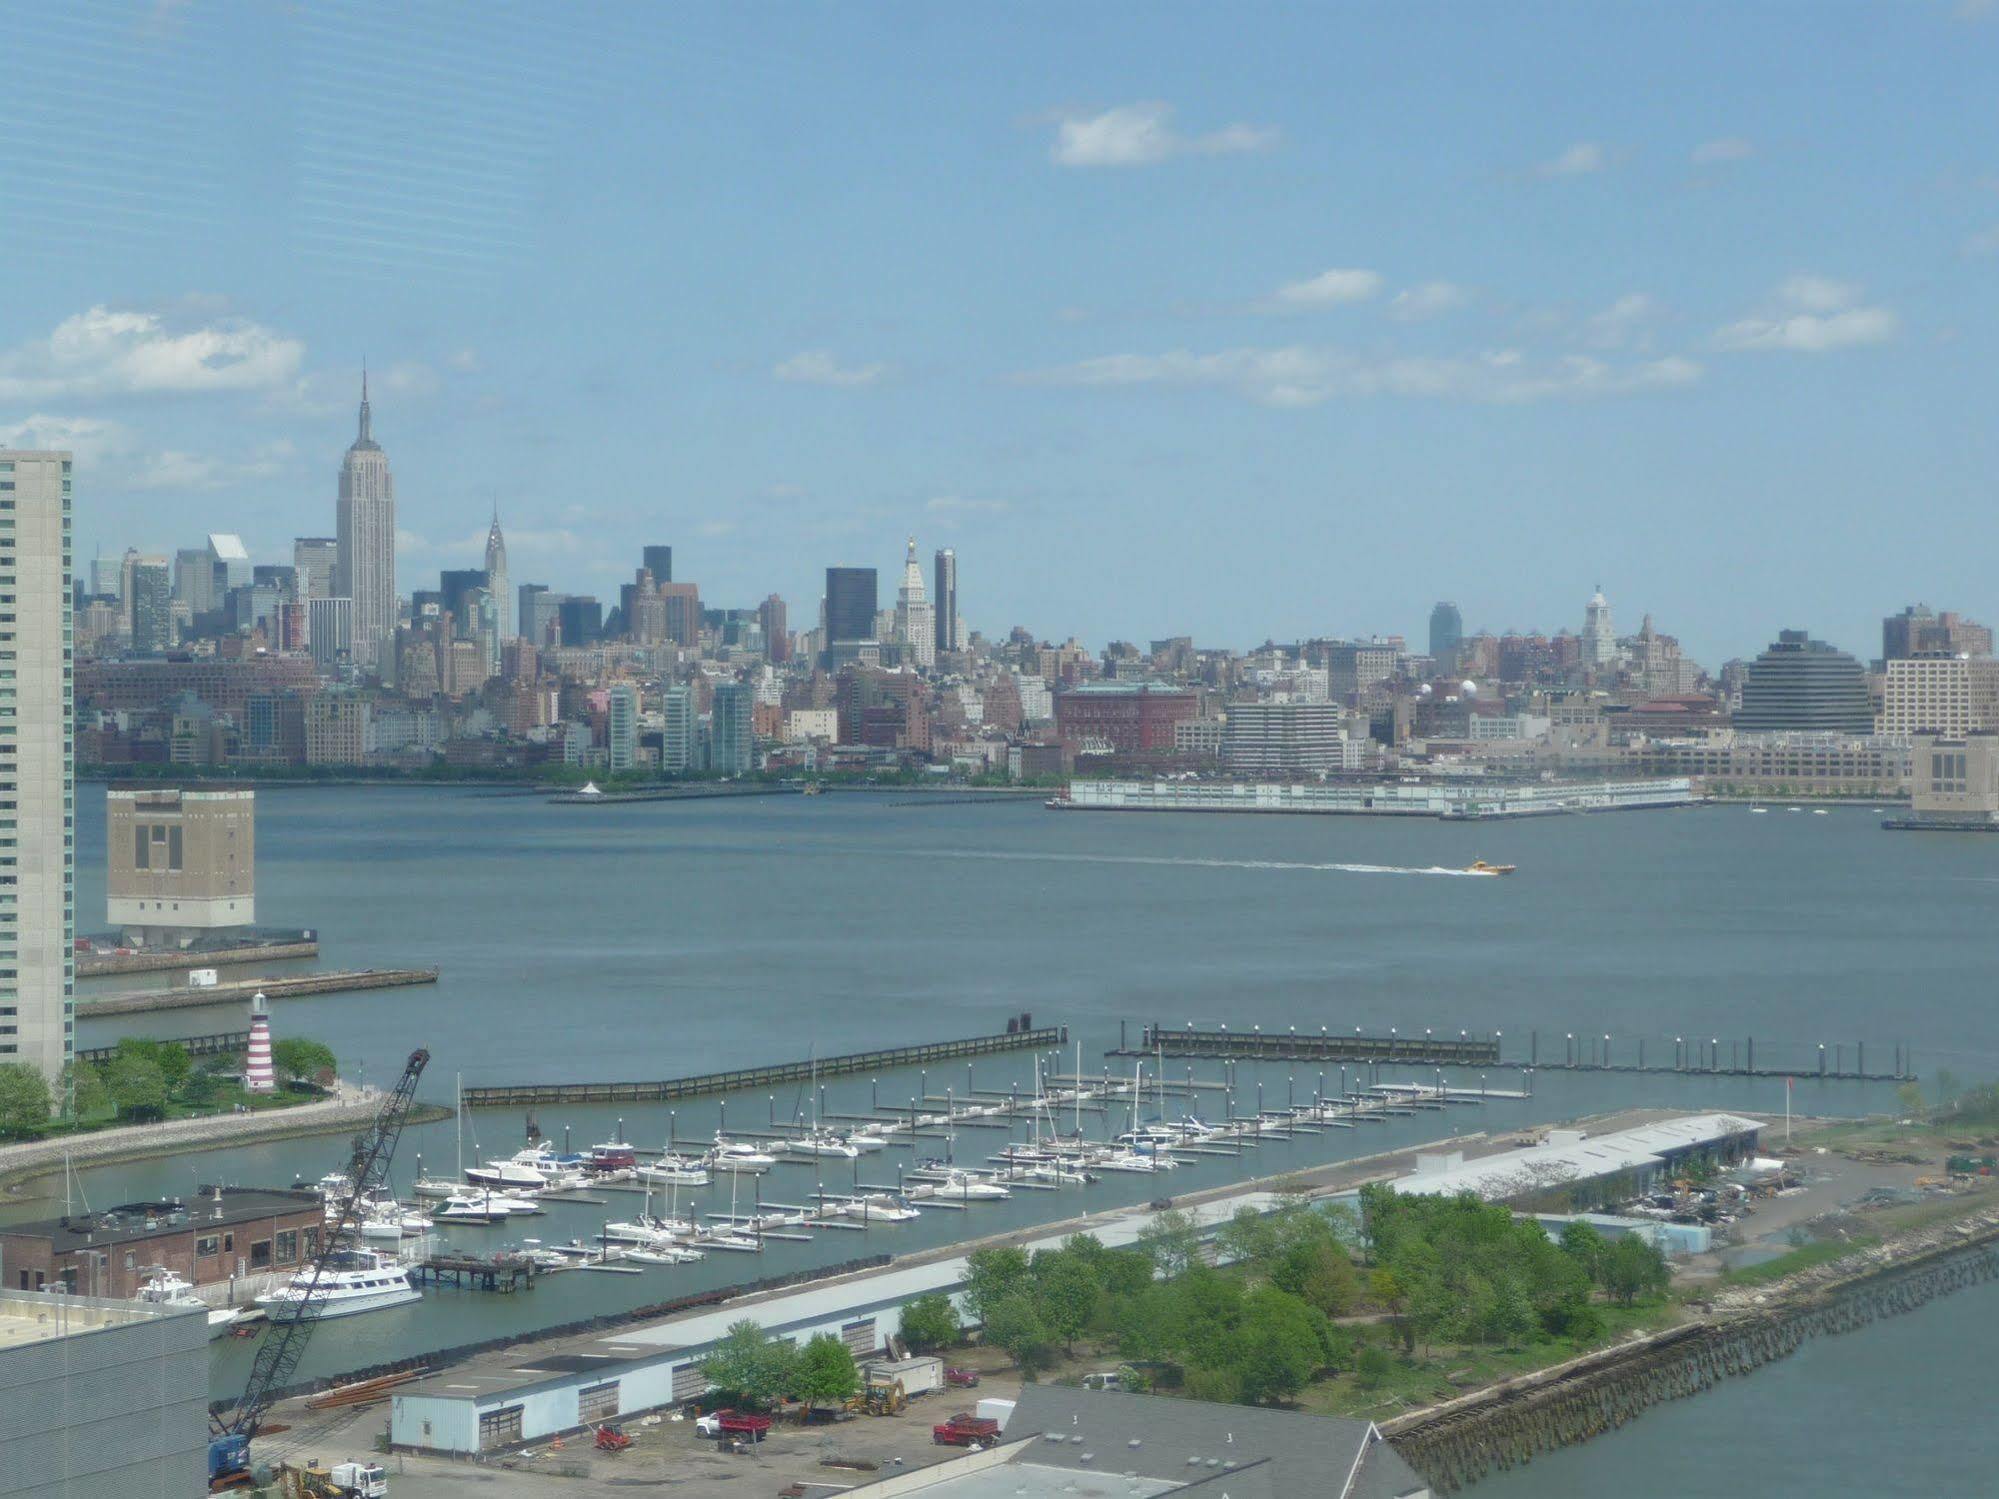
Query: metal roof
pixel 1538 1168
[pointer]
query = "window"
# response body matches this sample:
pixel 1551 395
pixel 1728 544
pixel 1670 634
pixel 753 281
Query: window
pixel 500 1428
pixel 207 1245
pixel 287 1245
pixel 260 1255
pixel 597 1402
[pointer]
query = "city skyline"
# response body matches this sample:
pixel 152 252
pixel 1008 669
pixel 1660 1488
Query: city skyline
pixel 1140 300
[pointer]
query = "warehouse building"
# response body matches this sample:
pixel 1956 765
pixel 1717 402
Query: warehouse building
pixel 103 1399
pixel 1572 1169
pixel 223 1234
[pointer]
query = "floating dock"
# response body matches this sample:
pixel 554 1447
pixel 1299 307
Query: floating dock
pixel 703 1084
pixel 289 986
pixel 1293 1045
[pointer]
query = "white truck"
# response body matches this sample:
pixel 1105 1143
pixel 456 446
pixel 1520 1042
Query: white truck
pixel 360 1481
pixel 919 1376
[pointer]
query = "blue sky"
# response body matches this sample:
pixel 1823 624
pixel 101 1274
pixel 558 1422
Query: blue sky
pixel 1241 321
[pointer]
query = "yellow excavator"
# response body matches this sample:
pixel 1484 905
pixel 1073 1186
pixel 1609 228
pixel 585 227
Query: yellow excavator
pixel 881 1397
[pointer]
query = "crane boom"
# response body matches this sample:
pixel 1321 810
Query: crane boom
pixel 291 1322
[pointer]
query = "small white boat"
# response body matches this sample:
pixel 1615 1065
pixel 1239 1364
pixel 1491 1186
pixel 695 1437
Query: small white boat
pixel 725 1238
pixel 1126 1161
pixel 966 1188
pixel 646 1229
pixel 1758 811
pixel 664 1254
pixel 1820 812
pixel 674 1171
pixel 739 1155
pixel 469 1207
pixel 823 1145
pixel 877 1210
pixel 162 1287
pixel 353 1281
pixel 866 1140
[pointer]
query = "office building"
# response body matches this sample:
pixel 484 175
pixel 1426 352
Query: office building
pixel 915 618
pixel 540 613
pixel 107 577
pixel 658 560
pixel 338 728
pixel 1353 667
pixel 944 570
pixel 194 580
pixel 104 1397
pixel 229 562
pixel 1954 781
pixel 681 603
pixel 1919 630
pixel 38 765
pixel 850 605
pixel 365 546
pixel 329 631
pixel 679 734
pixel 496 581
pixel 1933 693
pixel 580 618
pixel 179 863
pixel 731 742
pixel 621 730
pixel 1282 739
pixel 1120 717
pixel 315 559
pixel 1447 631
pixel 777 636
pixel 1801 684
pixel 152 606
pixel 1599 638
pixel 454 587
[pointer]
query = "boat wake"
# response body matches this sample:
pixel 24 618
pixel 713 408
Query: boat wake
pixel 1182 862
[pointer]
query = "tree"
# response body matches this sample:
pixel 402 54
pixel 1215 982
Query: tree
pixel 24 1099
pixel 751 1363
pixel 1172 1242
pixel 136 1086
pixel 993 1276
pixel 1582 1243
pixel 1321 1273
pixel 298 1060
pixel 169 1056
pixel 1634 1267
pixel 1066 1293
pixel 825 1373
pixel 1278 1346
pixel 929 1323
pixel 1014 1324
pixel 1372 1366
pixel 84 1085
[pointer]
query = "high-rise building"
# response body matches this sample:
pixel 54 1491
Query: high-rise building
pixel 658 561
pixel 455 585
pixel 329 631
pixel 1447 632
pixel 1283 739
pixel 677 738
pixel 315 559
pixel 777 638
pixel 107 576
pixel 731 744
pixel 38 768
pixel 1918 630
pixel 681 603
pixel 496 580
pixel 850 604
pixel 581 618
pixel 1599 638
pixel 152 606
pixel 915 619
pixel 944 570
pixel 365 569
pixel 622 726
pixel 194 581
pixel 1802 684
pixel 230 561
pixel 1940 693
pixel 539 612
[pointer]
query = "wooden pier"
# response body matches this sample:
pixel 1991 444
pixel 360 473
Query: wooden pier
pixel 747 1078
pixel 1294 1045
pixel 220 1044
pixel 288 986
pixel 503 1273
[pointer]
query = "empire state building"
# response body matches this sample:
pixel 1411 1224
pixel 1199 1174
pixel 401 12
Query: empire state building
pixel 364 567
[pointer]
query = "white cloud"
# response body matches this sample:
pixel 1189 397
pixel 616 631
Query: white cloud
pixel 1432 299
pixel 1812 315
pixel 1331 289
pixel 715 528
pixel 173 468
pixel 1301 375
pixel 1624 323
pixel 1136 135
pixel 951 504
pixel 109 352
pixel 819 367
pixel 1577 160
pixel 465 361
pixel 91 440
pixel 405 379
pixel 1727 148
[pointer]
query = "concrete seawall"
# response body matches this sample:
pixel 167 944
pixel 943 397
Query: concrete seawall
pixel 137 1142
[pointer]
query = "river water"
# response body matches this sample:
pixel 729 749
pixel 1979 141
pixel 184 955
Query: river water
pixel 651 940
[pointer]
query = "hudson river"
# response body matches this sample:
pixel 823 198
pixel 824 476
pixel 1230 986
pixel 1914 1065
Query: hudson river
pixel 651 940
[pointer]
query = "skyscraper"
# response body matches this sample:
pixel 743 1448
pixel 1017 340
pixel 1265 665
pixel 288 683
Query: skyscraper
pixel 329 631
pixel 365 570
pixel 676 740
pixel 1447 633
pixel 850 604
pixel 731 747
pixel 38 768
pixel 496 579
pixel 915 618
pixel 658 560
pixel 1599 639
pixel 777 637
pixel 1802 684
pixel 152 606
pixel 194 580
pixel 315 559
pixel 944 569
pixel 621 731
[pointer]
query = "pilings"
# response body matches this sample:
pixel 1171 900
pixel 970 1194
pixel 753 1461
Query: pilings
pixel 515 1094
pixel 1292 1044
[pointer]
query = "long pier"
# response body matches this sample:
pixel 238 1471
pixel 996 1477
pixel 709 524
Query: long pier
pixel 289 986
pixel 220 1044
pixel 164 960
pixel 1293 1045
pixel 703 1084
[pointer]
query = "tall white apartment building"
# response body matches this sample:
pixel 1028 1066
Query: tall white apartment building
pixel 1938 694
pixel 37 764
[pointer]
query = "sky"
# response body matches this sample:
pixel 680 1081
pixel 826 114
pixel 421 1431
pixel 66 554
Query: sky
pixel 1240 321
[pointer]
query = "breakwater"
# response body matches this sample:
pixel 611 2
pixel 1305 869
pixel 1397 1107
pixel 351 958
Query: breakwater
pixel 103 964
pixel 1457 1443
pixel 703 1084
pixel 293 986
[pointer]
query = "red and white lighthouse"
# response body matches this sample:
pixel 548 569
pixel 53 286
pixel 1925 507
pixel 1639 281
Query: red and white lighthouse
pixel 257 1076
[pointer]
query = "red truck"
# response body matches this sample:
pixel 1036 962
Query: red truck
pixel 965 1430
pixel 961 1379
pixel 733 1423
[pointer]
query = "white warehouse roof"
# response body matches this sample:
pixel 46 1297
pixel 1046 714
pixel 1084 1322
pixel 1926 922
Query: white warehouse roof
pixel 1563 1160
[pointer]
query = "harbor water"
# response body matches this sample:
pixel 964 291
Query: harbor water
pixel 659 939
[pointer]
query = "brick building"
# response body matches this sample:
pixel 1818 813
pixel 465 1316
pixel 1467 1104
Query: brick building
pixel 223 1232
pixel 1129 717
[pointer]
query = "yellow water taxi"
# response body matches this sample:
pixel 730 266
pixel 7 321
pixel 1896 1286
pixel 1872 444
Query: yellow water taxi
pixel 1479 866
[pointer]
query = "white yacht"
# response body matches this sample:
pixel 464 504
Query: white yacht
pixel 865 1139
pixel 646 1229
pixel 674 1171
pixel 353 1281
pixel 739 1155
pixel 876 1209
pixel 966 1188
pixel 727 1238
pixel 162 1287
pixel 469 1207
pixel 823 1144
pixel 664 1254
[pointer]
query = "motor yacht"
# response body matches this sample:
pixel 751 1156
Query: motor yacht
pixel 739 1155
pixel 469 1207
pixel 823 1144
pixel 351 1281
pixel 876 1210
pixel 664 1254
pixel 673 1171
pixel 162 1287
